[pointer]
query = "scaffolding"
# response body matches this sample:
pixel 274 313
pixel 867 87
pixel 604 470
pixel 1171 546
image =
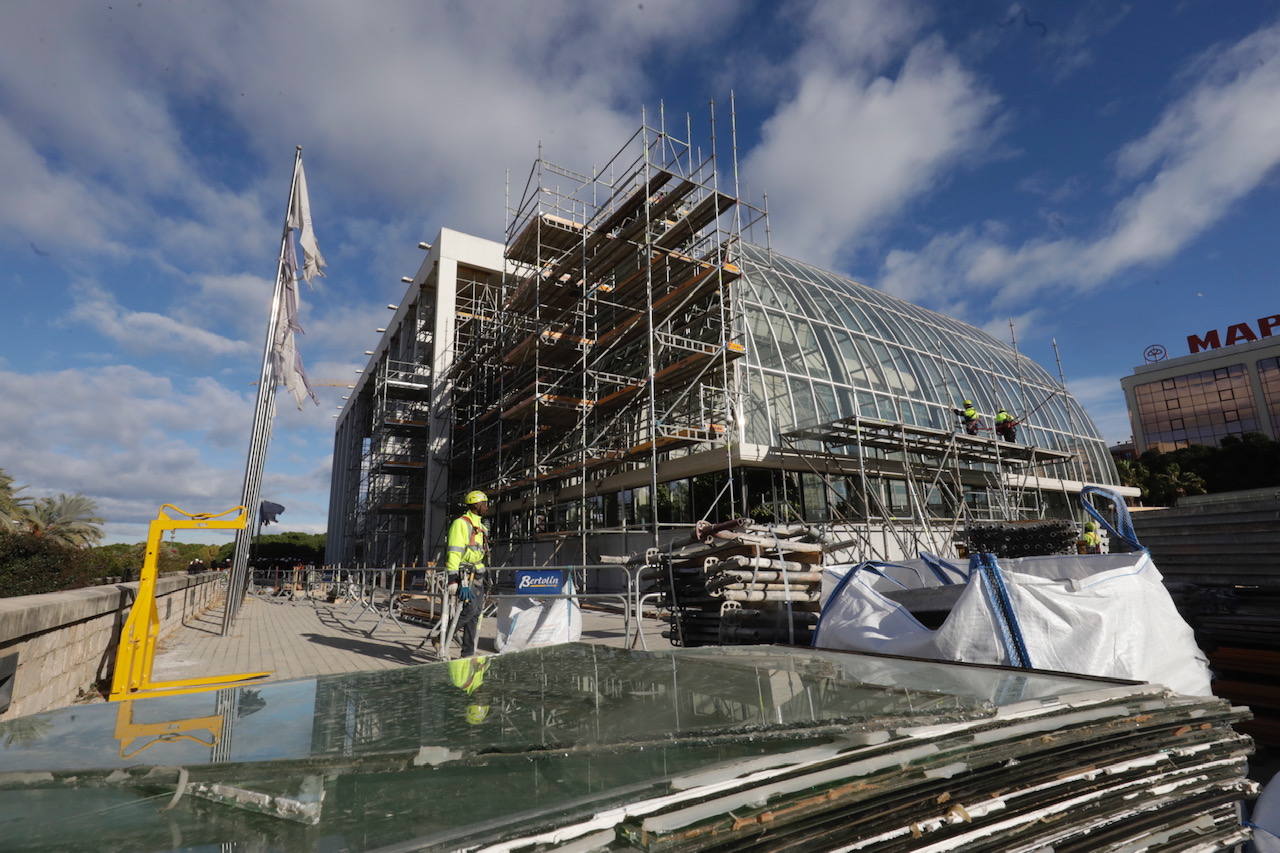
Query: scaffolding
pixel 609 342
pixel 938 467
pixel 389 471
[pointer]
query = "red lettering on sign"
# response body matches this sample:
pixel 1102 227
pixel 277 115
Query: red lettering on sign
pixel 1267 324
pixel 1240 332
pixel 1209 341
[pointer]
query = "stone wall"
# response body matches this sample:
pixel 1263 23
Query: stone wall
pixel 66 641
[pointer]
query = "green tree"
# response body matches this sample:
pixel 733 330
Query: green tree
pixel 1133 473
pixel 1171 483
pixel 291 546
pixel 13 508
pixel 70 520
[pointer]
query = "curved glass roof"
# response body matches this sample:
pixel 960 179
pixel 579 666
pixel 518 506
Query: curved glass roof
pixel 821 346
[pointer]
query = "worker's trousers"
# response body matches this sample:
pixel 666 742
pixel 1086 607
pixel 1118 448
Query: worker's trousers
pixel 469 620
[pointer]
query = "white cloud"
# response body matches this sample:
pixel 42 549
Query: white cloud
pixel 239 300
pixel 132 440
pixel 853 146
pixel 55 209
pixel 399 108
pixel 147 331
pixel 1209 149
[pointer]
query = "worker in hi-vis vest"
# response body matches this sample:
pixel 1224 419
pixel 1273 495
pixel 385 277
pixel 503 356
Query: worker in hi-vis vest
pixel 1006 426
pixel 467 547
pixel 1090 542
pixel 968 417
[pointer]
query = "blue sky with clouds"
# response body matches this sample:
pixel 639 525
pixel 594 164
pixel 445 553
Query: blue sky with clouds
pixel 1104 173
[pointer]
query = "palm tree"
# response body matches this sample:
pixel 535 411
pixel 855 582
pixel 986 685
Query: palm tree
pixel 13 509
pixel 67 519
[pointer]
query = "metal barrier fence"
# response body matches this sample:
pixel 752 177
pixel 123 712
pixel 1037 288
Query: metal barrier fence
pixel 422 595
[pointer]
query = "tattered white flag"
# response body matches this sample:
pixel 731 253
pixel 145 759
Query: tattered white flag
pixel 313 263
pixel 288 361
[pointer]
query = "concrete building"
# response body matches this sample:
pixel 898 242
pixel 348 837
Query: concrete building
pixel 1201 397
pixel 634 358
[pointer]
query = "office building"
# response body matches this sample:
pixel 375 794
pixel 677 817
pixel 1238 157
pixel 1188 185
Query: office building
pixel 1202 397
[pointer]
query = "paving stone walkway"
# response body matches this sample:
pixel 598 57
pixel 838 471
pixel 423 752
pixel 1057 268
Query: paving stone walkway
pixel 302 638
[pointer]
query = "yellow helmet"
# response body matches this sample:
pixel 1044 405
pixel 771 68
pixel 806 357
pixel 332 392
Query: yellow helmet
pixel 476 714
pixel 475 497
pixel 968 402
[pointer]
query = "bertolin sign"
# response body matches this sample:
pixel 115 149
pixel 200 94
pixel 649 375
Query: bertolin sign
pixel 1236 334
pixel 540 582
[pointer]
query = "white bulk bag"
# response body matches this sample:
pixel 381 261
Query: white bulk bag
pixel 524 623
pixel 1095 614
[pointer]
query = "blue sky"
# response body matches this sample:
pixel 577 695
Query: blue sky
pixel 1104 173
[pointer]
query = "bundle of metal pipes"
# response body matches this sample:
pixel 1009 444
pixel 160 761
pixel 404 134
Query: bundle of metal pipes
pixel 739 582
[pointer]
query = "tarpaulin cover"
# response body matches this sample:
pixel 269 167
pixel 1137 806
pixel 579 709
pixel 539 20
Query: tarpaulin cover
pixel 1095 614
pixel 525 623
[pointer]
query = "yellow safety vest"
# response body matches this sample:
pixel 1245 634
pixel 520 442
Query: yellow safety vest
pixel 467 542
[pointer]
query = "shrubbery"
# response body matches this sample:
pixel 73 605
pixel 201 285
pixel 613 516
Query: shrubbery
pixel 31 564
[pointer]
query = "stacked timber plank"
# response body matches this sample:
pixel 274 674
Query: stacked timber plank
pixel 739 582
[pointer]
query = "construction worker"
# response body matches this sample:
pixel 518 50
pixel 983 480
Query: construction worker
pixel 1090 542
pixel 466 555
pixel 1006 426
pixel 467 674
pixel 969 417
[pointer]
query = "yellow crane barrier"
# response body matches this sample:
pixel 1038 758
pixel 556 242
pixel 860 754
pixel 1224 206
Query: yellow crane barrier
pixel 137 650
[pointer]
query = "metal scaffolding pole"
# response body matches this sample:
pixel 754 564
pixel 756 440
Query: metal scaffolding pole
pixel 260 436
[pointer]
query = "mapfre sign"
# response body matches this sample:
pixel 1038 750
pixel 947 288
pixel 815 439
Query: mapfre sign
pixel 1238 333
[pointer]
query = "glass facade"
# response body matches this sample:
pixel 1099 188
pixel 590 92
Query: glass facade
pixel 821 346
pixel 1197 408
pixel 1269 375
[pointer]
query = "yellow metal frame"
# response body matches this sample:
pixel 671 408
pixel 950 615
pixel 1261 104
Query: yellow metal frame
pixel 137 650
pixel 168 731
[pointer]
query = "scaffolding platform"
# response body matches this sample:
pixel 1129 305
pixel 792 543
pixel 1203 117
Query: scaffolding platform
pixel 895 436
pixel 550 346
pixel 543 234
pixel 557 408
pixel 673 374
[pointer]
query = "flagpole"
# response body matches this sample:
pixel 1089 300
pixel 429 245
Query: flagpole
pixel 263 413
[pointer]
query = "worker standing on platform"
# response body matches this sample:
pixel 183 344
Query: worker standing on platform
pixel 466 560
pixel 1006 426
pixel 969 417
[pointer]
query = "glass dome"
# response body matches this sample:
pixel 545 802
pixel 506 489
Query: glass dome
pixel 821 347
